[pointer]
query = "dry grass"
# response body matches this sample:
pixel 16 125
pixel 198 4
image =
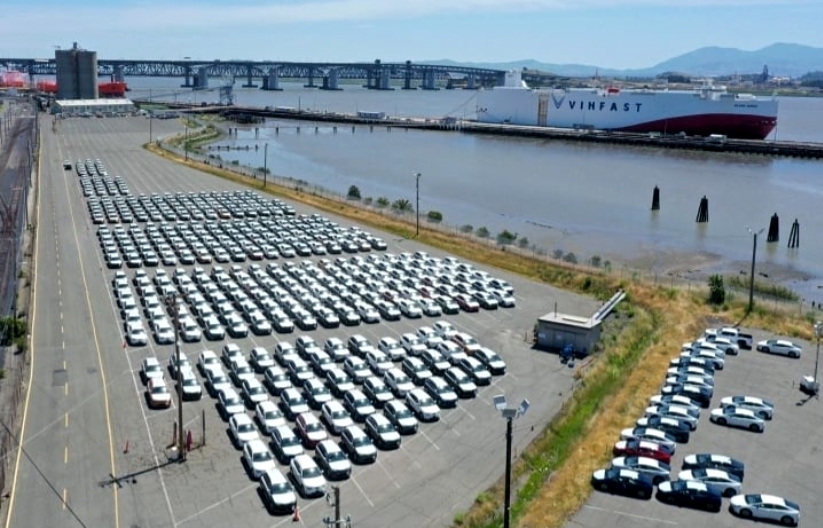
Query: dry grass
pixel 551 478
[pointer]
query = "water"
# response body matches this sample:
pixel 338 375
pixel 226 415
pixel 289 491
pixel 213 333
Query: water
pixel 561 196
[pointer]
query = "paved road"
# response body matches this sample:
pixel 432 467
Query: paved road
pixel 82 371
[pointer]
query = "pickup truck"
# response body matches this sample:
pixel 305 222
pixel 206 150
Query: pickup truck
pixel 732 334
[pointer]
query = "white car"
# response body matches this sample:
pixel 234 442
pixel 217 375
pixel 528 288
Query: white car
pixel 413 345
pixel 207 359
pixel 378 361
pixel 359 445
pixel 683 379
pixel 277 380
pixel 760 407
pixel 716 480
pixel 277 492
pixel 268 416
pixel 217 380
pixel 422 405
pixel 656 470
pixel 150 369
pixel 398 382
pixel 738 417
pixel 335 416
pixel 191 387
pixel 231 352
pixel 444 329
pixel 780 347
pixel 392 348
pixel 136 334
pixel 333 460
pixel 242 429
pixel 674 399
pixel 254 392
pixel 307 476
pixel 707 355
pixel 258 458
pixel 163 332
pixel 492 360
pixel 260 359
pixel 230 403
pixel 766 507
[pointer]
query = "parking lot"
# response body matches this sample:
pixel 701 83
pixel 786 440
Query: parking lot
pixel 435 473
pixel 784 460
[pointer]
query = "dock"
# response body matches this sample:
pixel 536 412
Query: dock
pixel 790 149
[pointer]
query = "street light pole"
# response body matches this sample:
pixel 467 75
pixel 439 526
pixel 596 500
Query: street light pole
pixel 417 202
pixel 818 331
pixel 265 163
pixel 186 141
pixel 751 279
pixel 171 302
pixel 509 413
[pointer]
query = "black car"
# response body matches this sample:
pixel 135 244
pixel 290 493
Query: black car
pixel 689 494
pixel 620 481
pixel 713 461
pixel 681 431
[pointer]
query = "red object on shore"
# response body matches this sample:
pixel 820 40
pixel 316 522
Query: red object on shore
pixel 112 89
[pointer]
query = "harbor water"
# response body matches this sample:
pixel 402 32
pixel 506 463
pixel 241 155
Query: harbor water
pixel 564 197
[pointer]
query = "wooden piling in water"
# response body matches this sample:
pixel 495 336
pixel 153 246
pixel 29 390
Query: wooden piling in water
pixel 794 235
pixel 703 211
pixel 656 199
pixel 774 229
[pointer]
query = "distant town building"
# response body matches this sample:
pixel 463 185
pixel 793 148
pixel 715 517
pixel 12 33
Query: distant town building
pixel 76 74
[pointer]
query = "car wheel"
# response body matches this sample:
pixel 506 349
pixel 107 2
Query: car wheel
pixel 729 493
pixel 643 494
pixel 765 349
pixel 746 513
pixel 794 355
pixel 658 480
pixel 756 428
pixel 603 487
pixel 787 521
pixel 721 421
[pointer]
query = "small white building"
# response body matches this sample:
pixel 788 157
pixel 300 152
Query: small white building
pixel 89 107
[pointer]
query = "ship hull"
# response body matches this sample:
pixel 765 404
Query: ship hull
pixel 665 112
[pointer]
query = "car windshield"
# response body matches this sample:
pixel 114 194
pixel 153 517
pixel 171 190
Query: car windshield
pixel 752 499
pixel 361 403
pixel 272 415
pixel 339 415
pixel 245 428
pixel 314 426
pixel 261 456
pixel 290 441
pixel 234 400
pixel 159 389
pixel 361 441
pixel 280 487
pixel 189 382
pixel 335 455
pixel 403 413
pixel 311 472
pixel 385 428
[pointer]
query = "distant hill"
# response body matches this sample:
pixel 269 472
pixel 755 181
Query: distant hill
pixel 792 60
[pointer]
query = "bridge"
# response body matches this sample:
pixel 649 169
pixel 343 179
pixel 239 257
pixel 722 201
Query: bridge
pixel 378 75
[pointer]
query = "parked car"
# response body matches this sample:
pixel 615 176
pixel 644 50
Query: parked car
pixel 285 443
pixel 293 403
pixel 780 347
pixel 358 404
pixel 710 460
pixel 359 446
pixel 310 429
pixel 657 471
pixel 335 416
pixel 738 417
pixel 717 480
pixel 268 416
pixel 762 408
pixel 644 448
pixel 653 435
pixel 422 405
pixel 399 414
pixel 242 429
pixel 680 430
pixel 307 477
pixel 277 380
pixel 382 431
pixel 441 391
pixel 260 359
pixel 491 360
pixel 377 391
pixel 257 458
pixel 621 481
pixel 766 507
pixel 460 382
pixel 689 494
pixel 332 460
pixel 277 493
pixel 157 394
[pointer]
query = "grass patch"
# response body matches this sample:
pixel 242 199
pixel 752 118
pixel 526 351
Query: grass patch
pixel 762 288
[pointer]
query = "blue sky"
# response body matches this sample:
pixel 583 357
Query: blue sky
pixel 606 33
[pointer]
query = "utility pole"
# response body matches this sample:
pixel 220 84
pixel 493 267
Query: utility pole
pixel 751 279
pixel 186 141
pixel 338 521
pixel 171 303
pixel 265 163
pixel 417 202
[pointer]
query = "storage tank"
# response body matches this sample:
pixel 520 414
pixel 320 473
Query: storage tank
pixel 76 73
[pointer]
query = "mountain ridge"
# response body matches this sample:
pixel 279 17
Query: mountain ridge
pixel 782 58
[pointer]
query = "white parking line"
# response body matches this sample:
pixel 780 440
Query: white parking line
pixel 423 433
pixel 361 491
pixel 632 515
pixel 470 415
pixel 386 471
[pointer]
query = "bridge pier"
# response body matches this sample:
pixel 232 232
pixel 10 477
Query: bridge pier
pixel 271 81
pixel 407 77
pixel 311 80
pixel 118 75
pixel 187 76
pixel 202 80
pixel 428 80
pixel 249 82
pixel 330 81
pixel 470 82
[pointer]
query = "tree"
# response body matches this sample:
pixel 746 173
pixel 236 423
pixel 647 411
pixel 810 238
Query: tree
pixel 717 290
pixel 354 193
pixel 482 232
pixel 367 200
pixel 596 260
pixel 401 205
pixel 506 237
pixel 382 201
pixel 570 257
pixel 466 228
pixel 435 216
pixel 557 253
pixel 523 242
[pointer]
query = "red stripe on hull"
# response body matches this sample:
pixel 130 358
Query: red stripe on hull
pixel 730 125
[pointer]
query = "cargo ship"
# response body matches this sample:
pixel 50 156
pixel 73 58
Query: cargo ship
pixel 706 111
pixel 105 89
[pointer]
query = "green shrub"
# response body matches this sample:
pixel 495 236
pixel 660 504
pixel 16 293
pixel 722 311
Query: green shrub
pixel 482 232
pixel 382 202
pixel 354 193
pixel 717 290
pixel 466 228
pixel 435 216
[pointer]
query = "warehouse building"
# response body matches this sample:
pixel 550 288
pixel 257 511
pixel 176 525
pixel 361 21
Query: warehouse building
pixel 92 107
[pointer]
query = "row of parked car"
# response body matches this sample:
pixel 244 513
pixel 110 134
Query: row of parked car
pixel 337 390
pixel 225 241
pixel 644 453
pixel 281 297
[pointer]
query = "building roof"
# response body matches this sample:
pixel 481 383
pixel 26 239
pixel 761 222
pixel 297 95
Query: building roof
pixel 569 320
pixel 93 102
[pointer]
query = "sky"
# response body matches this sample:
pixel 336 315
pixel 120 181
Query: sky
pixel 605 33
